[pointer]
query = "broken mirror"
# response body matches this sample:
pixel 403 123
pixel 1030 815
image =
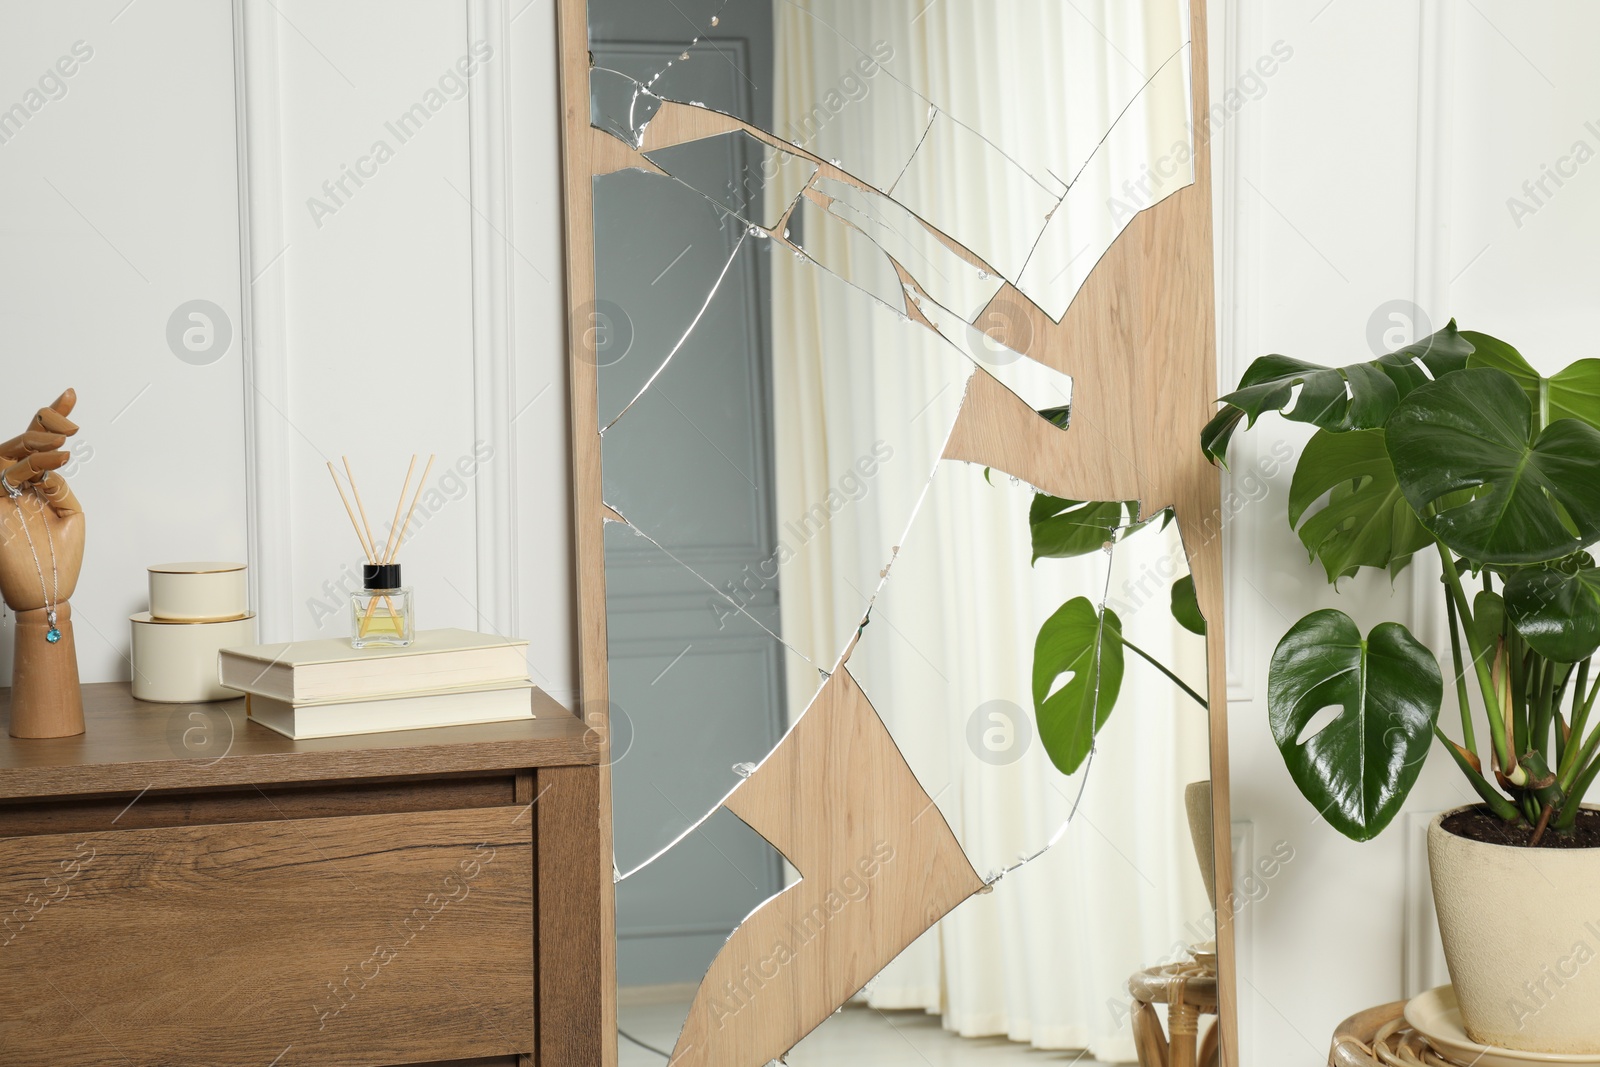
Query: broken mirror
pixel 826 222
pixel 1083 113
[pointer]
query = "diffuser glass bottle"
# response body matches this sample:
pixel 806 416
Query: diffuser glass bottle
pixel 381 613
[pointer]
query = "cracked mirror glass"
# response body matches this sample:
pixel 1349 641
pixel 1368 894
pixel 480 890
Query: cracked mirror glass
pixel 846 252
pixel 834 217
pixel 696 270
pixel 943 274
pixel 678 647
pixel 1015 977
pixel 989 154
pixel 749 177
pixel 672 919
pixel 1040 387
pixel 617 103
pixel 949 157
pixel 1146 157
pixel 1112 839
pixel 928 645
pixel 793 414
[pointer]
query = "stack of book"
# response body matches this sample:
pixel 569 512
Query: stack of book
pixel 306 689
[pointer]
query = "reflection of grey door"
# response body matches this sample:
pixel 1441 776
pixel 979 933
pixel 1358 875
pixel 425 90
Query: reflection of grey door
pixel 674 915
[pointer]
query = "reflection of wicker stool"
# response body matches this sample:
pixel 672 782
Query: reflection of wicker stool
pixel 1189 990
pixel 1379 1037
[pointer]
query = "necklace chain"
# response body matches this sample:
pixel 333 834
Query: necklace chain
pixel 52 596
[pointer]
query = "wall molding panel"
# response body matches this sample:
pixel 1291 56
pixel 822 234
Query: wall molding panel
pixel 262 333
pixel 1434 200
pixel 311 102
pixel 1237 153
pixel 493 333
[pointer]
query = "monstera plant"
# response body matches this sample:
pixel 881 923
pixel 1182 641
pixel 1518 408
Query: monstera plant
pixel 1081 641
pixel 1454 445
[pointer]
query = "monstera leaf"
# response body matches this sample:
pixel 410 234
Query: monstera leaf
pixel 1572 394
pixel 1077 642
pixel 1066 528
pixel 1186 606
pixel 1386 688
pixel 1366 522
pixel 1533 499
pixel 1557 610
pixel 1436 355
pixel 1356 397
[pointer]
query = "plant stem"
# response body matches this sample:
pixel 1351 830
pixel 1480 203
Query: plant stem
pixel 1558 724
pixel 1198 699
pixel 1567 779
pixel 1580 721
pixel 1469 738
pixel 1517 705
pixel 1574 801
pixel 1492 797
pixel 1539 735
pixel 1491 700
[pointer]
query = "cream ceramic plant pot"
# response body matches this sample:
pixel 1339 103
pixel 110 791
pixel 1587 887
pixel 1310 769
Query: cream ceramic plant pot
pixel 1521 931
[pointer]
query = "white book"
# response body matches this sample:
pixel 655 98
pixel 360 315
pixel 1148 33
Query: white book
pixel 311 672
pixel 418 711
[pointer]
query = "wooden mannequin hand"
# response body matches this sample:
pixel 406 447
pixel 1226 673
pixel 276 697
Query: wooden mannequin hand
pixel 30 462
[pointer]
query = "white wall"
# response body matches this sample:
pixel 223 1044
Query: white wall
pixel 1375 167
pixel 121 205
pixel 417 311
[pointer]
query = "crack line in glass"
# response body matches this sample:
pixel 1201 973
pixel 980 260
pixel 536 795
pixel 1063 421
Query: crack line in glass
pixel 934 107
pixel 737 607
pixel 737 246
pixel 1099 145
pixel 933 116
pixel 1088 766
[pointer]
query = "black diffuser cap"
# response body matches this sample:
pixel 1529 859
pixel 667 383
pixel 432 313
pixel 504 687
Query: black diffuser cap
pixel 380 575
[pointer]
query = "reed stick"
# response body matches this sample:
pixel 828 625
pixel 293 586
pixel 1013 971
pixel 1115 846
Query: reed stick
pixel 360 537
pixel 389 546
pixel 409 514
pixel 373 541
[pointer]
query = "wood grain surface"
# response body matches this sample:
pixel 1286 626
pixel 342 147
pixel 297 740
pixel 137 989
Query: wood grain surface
pixel 140 811
pixel 369 940
pixel 878 866
pixel 578 148
pixel 577 996
pixel 130 745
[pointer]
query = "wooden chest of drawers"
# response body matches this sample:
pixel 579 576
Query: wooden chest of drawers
pixel 181 886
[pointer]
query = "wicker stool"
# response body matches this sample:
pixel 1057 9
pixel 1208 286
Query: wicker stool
pixel 1189 990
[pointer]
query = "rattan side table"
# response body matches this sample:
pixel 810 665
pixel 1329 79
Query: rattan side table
pixel 1189 990
pixel 1379 1037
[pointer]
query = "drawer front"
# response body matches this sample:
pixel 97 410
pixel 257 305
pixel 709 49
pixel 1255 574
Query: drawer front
pixel 361 941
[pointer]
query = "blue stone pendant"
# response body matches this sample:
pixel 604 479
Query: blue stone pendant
pixel 53 636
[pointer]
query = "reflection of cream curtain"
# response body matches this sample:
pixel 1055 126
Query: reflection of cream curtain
pixel 1046 957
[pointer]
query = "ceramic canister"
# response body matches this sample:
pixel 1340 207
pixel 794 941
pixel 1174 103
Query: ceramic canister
pixel 176 662
pixel 192 592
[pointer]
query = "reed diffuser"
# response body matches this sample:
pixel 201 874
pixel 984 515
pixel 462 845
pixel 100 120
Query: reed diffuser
pixel 381 612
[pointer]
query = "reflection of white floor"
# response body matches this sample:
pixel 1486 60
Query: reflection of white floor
pixel 856 1037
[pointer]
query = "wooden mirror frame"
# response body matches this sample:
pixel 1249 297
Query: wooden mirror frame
pixel 1139 343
